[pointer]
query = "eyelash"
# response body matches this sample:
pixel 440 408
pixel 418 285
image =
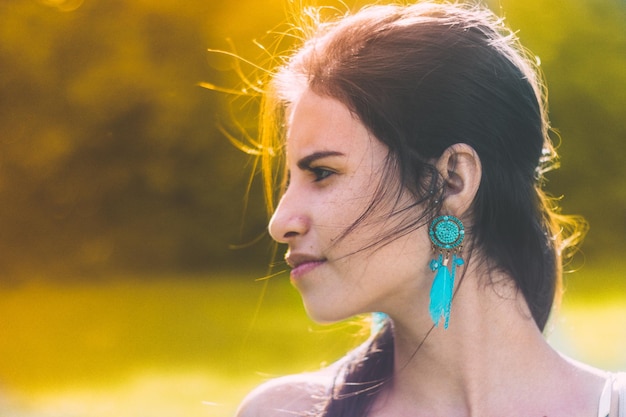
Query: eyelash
pixel 320 173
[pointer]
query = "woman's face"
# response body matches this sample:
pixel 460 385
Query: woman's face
pixel 335 169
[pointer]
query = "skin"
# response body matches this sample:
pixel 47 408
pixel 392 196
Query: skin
pixel 492 361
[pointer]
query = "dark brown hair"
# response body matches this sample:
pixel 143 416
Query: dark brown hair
pixel 422 78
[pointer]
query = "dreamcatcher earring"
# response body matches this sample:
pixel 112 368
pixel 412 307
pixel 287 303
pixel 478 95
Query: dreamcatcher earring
pixel 446 234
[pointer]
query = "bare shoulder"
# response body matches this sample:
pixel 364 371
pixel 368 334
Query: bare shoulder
pixel 293 395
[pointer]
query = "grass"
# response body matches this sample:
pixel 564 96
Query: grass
pixel 189 346
pixel 193 346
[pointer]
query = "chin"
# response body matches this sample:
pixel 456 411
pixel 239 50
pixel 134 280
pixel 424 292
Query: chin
pixel 329 314
pixel 324 314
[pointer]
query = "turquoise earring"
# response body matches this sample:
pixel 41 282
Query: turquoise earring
pixel 446 234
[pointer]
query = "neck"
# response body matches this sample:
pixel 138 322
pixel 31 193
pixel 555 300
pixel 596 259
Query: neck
pixel 489 362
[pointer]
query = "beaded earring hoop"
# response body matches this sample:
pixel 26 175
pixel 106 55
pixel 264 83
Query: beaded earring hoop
pixel 446 234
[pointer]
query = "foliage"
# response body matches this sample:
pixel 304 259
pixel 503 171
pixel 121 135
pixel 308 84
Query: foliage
pixel 111 156
pixel 110 151
pixel 582 47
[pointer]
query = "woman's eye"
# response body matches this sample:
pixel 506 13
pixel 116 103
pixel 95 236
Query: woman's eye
pixel 321 173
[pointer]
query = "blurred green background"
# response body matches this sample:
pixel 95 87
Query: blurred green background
pixel 129 264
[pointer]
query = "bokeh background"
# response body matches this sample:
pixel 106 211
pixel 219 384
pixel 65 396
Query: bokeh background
pixel 131 262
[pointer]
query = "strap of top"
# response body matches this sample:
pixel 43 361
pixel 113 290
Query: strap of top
pixel 620 387
pixel 615 384
pixel 605 399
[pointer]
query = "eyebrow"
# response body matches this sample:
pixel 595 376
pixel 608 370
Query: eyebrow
pixel 306 162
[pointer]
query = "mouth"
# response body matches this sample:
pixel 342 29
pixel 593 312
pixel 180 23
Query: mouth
pixel 302 263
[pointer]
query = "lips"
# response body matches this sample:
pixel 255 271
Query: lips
pixel 301 264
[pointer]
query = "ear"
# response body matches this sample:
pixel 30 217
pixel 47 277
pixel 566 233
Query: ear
pixel 460 167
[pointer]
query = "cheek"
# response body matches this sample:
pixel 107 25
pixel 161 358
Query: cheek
pixel 359 213
pixel 383 243
pixel 341 210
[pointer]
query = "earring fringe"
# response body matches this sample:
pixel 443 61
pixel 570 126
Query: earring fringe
pixel 442 289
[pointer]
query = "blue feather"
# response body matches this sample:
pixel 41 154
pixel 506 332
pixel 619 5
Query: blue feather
pixel 442 290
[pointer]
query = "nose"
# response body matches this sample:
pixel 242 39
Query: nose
pixel 289 220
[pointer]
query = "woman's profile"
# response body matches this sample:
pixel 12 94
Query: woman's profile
pixel 414 143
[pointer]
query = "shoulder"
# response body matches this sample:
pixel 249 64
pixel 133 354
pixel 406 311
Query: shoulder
pixel 287 396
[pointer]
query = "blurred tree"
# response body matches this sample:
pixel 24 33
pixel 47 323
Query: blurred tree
pixel 582 47
pixel 111 156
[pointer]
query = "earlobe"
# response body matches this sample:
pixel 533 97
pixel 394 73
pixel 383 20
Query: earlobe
pixel 461 169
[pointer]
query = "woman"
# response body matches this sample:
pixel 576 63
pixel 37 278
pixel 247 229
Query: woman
pixel 415 140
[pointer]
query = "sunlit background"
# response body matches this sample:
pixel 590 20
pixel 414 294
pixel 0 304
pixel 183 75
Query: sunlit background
pixel 128 260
